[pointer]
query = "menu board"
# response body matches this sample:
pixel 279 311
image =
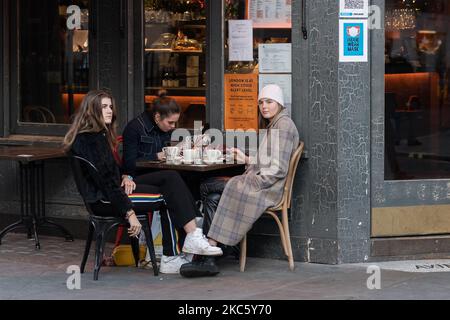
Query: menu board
pixel 241 101
pixel 270 13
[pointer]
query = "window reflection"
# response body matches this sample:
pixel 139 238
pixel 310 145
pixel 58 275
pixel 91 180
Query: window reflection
pixel 54 61
pixel 417 60
pixel 266 60
pixel 175 47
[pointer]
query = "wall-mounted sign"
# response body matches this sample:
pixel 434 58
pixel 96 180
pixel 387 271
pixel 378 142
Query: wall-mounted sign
pixel 354 8
pixel 353 38
pixel 241 101
pixel 275 58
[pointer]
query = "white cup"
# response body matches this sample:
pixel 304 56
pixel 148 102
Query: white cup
pixel 213 155
pixel 189 155
pixel 171 153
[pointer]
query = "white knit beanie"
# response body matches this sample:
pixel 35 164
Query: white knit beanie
pixel 273 92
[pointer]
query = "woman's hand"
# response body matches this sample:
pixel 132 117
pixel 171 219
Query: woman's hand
pixel 135 225
pixel 239 156
pixel 128 185
pixel 161 156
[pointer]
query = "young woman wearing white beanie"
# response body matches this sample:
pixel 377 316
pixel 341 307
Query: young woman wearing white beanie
pixel 236 203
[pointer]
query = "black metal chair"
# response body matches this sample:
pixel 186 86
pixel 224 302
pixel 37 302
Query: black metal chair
pixel 99 226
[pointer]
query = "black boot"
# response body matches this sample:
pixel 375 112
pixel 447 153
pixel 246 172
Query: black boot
pixel 201 266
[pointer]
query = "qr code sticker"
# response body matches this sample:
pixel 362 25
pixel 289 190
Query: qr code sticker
pixel 354 4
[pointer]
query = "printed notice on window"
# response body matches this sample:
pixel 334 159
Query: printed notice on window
pixel 275 58
pixel 354 8
pixel 353 39
pixel 240 40
pixel 241 101
pixel 270 13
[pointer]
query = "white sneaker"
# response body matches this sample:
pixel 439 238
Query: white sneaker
pixel 172 264
pixel 197 243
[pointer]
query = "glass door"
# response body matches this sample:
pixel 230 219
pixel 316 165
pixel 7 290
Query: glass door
pixel 417 60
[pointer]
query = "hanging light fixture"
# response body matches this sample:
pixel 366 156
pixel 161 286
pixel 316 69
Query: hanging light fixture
pixel 402 17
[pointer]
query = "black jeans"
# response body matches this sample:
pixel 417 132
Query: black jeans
pixel 210 192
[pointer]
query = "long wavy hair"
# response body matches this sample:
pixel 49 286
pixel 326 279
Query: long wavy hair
pixel 89 118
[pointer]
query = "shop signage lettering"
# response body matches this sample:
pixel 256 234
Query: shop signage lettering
pixel 241 101
pixel 241 85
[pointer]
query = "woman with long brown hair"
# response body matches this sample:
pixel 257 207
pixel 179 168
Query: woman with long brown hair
pixel 92 136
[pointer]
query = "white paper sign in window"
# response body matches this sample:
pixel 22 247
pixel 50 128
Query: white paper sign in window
pixel 275 58
pixel 240 40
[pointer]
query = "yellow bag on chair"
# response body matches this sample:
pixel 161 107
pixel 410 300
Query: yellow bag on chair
pixel 123 255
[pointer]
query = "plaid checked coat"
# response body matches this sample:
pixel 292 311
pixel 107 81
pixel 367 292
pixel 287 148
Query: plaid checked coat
pixel 246 197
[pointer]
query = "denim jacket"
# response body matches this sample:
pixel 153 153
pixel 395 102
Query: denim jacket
pixel 142 140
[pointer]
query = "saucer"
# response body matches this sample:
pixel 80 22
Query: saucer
pixel 187 161
pixel 218 161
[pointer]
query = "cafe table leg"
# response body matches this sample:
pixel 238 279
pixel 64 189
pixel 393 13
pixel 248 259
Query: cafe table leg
pixel 32 203
pixel 24 191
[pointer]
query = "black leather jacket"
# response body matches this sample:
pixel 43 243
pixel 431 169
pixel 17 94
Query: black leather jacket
pixel 142 140
pixel 94 148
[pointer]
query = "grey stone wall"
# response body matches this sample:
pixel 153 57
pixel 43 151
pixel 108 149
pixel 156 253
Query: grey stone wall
pixel 353 221
pixel 331 201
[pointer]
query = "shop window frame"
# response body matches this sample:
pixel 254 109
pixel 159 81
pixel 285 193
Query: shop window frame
pixel 2 67
pixel 393 193
pixel 24 128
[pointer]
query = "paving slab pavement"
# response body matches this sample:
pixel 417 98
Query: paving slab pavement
pixel 26 273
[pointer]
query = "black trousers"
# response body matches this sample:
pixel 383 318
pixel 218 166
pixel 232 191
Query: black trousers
pixel 210 192
pixel 180 205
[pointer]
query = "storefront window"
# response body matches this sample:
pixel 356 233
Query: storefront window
pixel 417 57
pixel 53 59
pixel 257 53
pixel 175 43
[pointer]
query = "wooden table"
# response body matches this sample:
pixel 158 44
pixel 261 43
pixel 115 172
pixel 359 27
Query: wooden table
pixel 32 188
pixel 186 167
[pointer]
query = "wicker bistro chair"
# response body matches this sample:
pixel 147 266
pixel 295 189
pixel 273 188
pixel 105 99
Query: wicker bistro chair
pixel 282 208
pixel 100 226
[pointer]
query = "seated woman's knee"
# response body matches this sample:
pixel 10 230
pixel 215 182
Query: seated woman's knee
pixel 173 175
